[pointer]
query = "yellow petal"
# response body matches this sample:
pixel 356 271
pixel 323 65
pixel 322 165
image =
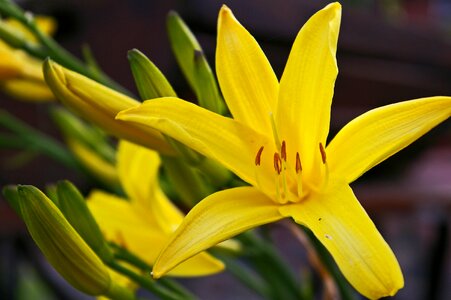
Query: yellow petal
pixel 378 134
pixel 100 105
pixel 121 223
pixel 138 172
pixel 341 224
pixel 10 65
pixel 27 90
pixel 199 265
pixel 218 217
pixel 307 86
pixel 247 80
pixel 114 214
pixel 229 142
pixel 45 24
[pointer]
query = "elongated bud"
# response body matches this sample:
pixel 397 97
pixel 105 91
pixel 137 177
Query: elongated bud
pixel 151 83
pixel 73 205
pixel 63 247
pixel 194 65
pixel 100 105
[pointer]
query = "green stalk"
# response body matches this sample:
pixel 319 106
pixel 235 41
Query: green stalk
pixel 147 283
pixel 243 274
pixel 278 276
pixel 126 256
pixel 35 140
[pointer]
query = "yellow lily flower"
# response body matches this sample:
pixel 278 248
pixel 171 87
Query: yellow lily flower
pixel 21 74
pixel 144 223
pixel 100 104
pixel 276 142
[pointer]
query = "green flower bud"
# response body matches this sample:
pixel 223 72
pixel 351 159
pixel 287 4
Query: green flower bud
pixel 194 65
pixel 73 205
pixel 63 247
pixel 151 83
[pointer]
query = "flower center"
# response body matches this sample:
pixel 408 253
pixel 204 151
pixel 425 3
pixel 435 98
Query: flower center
pixel 290 184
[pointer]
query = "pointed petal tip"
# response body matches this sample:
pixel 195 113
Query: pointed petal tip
pixel 334 6
pixel 225 13
pixel 155 275
pixel 53 72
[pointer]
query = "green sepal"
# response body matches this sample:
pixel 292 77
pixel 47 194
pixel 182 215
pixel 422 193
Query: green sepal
pixel 194 65
pixel 149 80
pixel 73 205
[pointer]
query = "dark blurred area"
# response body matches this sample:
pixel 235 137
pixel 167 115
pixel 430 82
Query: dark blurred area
pixel 389 51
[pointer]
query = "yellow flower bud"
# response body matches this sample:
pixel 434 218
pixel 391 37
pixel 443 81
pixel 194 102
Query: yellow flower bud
pixel 100 105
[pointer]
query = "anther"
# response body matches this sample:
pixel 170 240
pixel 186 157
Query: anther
pixel 298 163
pixel 277 163
pixel 323 153
pixel 283 151
pixel 259 156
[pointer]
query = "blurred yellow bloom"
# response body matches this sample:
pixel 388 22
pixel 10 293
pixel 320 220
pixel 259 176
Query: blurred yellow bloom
pixel 276 142
pixel 99 167
pixel 21 74
pixel 144 222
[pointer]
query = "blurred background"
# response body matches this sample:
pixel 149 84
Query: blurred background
pixel 388 51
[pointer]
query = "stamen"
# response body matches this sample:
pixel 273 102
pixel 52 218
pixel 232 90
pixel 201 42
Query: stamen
pixel 298 163
pixel 274 130
pixel 326 171
pixel 277 163
pixel 283 151
pixel 299 174
pixel 259 156
pixel 323 153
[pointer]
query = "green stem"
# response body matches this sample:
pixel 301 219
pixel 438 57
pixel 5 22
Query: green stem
pixel 35 140
pixel 271 267
pixel 126 256
pixel 186 181
pixel 243 274
pixel 145 282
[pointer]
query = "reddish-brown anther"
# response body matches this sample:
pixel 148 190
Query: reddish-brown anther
pixel 298 163
pixel 277 163
pixel 259 156
pixel 323 153
pixel 283 151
